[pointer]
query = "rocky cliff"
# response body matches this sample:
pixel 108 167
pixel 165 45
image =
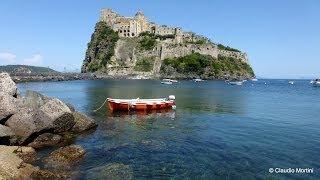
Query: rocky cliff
pixel 154 56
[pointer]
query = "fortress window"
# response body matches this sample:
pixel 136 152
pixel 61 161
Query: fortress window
pixel 124 30
pixel 124 35
pixel 128 34
pixel 120 31
pixel 128 30
pixel 132 34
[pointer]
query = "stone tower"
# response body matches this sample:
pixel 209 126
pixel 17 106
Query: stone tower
pixel 142 22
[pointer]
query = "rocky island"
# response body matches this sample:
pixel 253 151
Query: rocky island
pixel 135 47
pixel 36 121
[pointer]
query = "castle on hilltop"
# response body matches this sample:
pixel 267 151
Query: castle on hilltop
pixel 133 26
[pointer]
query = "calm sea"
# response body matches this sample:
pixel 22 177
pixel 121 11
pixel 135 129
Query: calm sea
pixel 217 131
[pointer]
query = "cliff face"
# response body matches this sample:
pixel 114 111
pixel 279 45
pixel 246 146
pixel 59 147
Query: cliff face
pixel 154 56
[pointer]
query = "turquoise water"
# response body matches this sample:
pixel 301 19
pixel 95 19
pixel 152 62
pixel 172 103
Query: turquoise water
pixel 217 130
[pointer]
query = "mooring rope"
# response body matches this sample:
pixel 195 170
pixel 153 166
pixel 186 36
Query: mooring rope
pixel 101 105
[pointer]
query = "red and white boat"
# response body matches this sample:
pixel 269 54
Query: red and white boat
pixel 141 104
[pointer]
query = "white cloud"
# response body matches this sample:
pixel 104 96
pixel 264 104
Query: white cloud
pixel 7 58
pixel 34 60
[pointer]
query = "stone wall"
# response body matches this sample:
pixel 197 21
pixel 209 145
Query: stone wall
pixel 179 50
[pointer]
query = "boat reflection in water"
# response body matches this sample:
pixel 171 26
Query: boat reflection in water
pixel 164 113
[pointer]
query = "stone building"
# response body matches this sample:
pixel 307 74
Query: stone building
pixel 133 26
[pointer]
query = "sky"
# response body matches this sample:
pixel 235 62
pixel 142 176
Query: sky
pixel 281 38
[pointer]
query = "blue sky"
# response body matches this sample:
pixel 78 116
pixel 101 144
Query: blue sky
pixel 282 38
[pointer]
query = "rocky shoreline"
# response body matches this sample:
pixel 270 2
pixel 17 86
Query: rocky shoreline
pixel 32 122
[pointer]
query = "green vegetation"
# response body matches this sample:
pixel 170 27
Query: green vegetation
pixel 145 65
pixel 227 48
pixel 102 45
pixel 199 42
pixel 148 40
pixel 205 65
pixel 193 63
pixel 231 65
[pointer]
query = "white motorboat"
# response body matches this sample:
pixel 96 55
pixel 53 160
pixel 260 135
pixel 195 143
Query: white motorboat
pixel 254 79
pixel 198 80
pixel 168 81
pixel 315 83
pixel 291 82
pixel 238 83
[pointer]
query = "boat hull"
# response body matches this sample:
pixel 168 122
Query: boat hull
pixel 114 105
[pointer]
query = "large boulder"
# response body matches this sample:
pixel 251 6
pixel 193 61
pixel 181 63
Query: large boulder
pixel 5 135
pixel 82 122
pixel 33 99
pixel 111 171
pixel 65 156
pixel 45 140
pixel 60 114
pixel 28 124
pixel 8 106
pixel 12 165
pixel 7 85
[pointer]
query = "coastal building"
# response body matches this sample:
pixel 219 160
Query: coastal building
pixel 133 26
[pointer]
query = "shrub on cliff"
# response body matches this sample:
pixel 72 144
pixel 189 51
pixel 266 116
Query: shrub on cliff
pixel 145 65
pixel 227 48
pixel 206 66
pixel 148 40
pixel 101 47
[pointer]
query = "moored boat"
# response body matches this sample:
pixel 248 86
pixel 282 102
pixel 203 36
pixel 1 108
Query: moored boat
pixel 168 81
pixel 141 104
pixel 198 80
pixel 315 83
pixel 238 83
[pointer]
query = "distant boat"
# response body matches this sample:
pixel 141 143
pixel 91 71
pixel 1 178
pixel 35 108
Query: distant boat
pixel 291 82
pixel 315 83
pixel 238 83
pixel 198 80
pixel 254 79
pixel 141 104
pixel 168 81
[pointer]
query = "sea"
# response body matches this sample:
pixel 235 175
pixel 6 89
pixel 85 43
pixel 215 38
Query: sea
pixel 261 130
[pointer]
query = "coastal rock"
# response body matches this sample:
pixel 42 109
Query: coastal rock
pixel 7 85
pixel 60 113
pixel 12 165
pixel 5 135
pixel 111 171
pixel 65 156
pixel 33 99
pixel 45 140
pixel 82 122
pixel 71 107
pixel 8 106
pixel 28 124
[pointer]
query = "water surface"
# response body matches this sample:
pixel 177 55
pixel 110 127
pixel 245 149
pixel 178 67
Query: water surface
pixel 217 130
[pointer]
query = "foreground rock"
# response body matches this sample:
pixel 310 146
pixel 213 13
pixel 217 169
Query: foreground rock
pixel 7 85
pixel 82 123
pixel 5 135
pixel 33 99
pixel 111 171
pixel 64 157
pixel 60 114
pixel 8 106
pixel 45 140
pixel 12 165
pixel 29 123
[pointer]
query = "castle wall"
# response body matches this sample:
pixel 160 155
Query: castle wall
pixel 177 50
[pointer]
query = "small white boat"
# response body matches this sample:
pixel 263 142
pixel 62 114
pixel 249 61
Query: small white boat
pixel 315 83
pixel 291 82
pixel 254 79
pixel 165 81
pixel 238 83
pixel 198 80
